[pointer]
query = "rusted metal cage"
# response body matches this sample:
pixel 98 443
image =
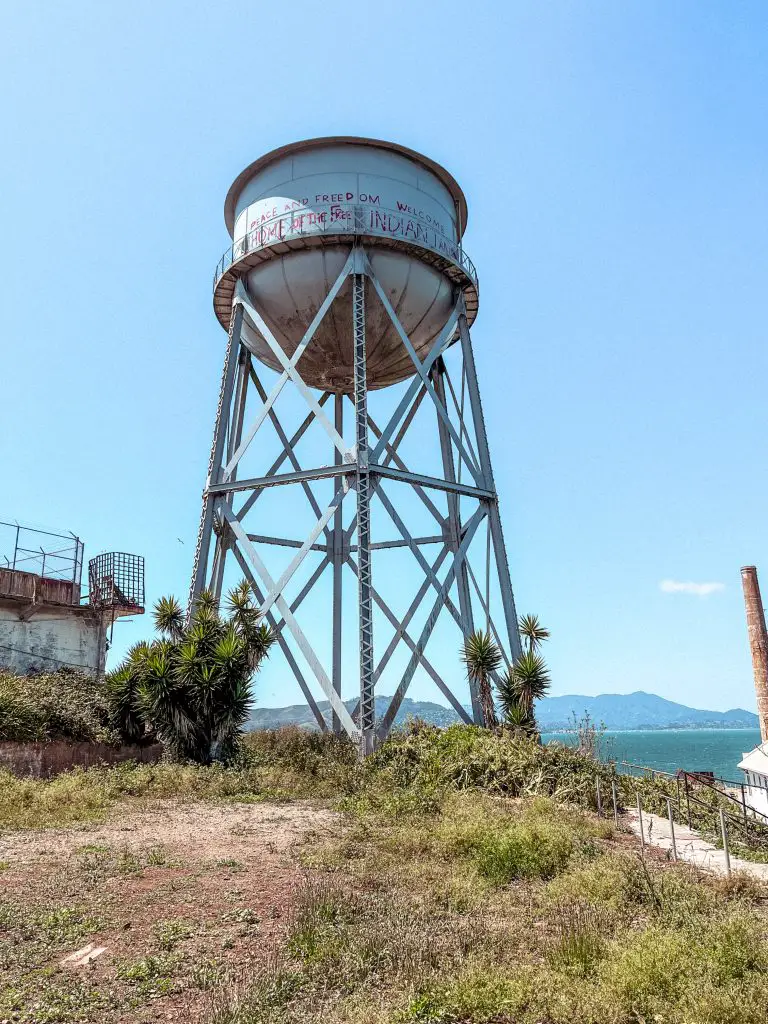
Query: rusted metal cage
pixel 116 581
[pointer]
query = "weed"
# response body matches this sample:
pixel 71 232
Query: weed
pixel 207 974
pixel 151 974
pixel 230 864
pixel 66 924
pixel 168 934
pixel 580 943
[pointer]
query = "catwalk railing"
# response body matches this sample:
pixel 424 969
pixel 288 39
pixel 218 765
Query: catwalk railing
pixel 346 219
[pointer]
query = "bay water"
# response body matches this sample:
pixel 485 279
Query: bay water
pixel 714 750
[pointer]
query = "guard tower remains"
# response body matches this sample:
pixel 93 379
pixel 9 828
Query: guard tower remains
pixel 46 623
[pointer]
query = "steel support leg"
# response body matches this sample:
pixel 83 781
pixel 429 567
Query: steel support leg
pixel 205 532
pixel 367 697
pixel 454 531
pixel 233 440
pixel 338 568
pixel 502 565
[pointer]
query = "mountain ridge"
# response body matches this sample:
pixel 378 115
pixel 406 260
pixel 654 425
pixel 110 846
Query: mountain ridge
pixel 616 711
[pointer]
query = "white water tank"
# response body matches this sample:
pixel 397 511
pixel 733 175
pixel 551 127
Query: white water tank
pixel 294 216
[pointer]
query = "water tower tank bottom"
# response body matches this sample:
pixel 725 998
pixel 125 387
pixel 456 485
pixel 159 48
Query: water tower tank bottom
pixel 289 290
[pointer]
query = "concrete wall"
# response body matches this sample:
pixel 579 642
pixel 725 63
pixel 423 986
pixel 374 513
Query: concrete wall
pixel 44 760
pixel 50 638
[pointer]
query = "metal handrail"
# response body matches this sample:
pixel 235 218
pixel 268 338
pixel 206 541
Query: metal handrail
pixel 342 219
pixel 710 783
pixel 672 775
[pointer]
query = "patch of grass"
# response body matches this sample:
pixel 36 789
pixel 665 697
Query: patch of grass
pixel 230 864
pixel 581 943
pixel 168 934
pixel 52 1001
pixel 152 974
pixel 317 929
pixel 66 924
pixel 207 974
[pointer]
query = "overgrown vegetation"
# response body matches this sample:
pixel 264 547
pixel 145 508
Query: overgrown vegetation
pixel 64 705
pixel 468 880
pixel 512 911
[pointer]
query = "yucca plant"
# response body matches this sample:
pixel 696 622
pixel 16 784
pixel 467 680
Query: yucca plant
pixel 191 687
pixel 532 631
pixel 513 715
pixel 482 658
pixel 530 678
pixel 527 681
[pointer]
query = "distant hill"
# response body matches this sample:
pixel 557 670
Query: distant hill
pixel 637 710
pixel 299 714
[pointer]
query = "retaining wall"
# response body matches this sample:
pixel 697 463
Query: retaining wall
pixel 44 760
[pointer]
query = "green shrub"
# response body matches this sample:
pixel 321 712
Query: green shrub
pixel 468 757
pixel 64 705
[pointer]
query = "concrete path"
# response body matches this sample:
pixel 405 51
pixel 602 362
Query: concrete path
pixel 690 846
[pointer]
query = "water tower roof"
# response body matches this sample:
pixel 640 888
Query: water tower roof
pixel 295 147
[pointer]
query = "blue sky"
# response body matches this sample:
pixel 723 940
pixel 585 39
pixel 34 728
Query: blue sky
pixel 614 160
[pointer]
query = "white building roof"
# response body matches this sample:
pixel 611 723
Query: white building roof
pixel 756 760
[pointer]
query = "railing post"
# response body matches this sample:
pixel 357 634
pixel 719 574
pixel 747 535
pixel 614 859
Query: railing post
pixel 724 832
pixel 744 809
pixel 615 805
pixel 687 800
pixel 672 829
pixel 640 819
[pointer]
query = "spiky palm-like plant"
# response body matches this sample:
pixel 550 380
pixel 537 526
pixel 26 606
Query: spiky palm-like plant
pixel 482 658
pixel 532 631
pixel 527 681
pixel 531 679
pixel 123 696
pixel 192 686
pixel 513 715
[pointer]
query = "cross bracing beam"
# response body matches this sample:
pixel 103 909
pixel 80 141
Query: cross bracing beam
pixel 420 480
pixel 273 419
pixel 292 442
pixel 306 589
pixel 392 456
pixel 304 645
pixel 424 374
pixel 440 344
pixel 397 699
pixel 424 565
pixel 363 463
pixel 281 642
pixel 289 365
pixel 401 633
pixel 459 407
pixel 259 482
pixel 260 538
pixel 488 617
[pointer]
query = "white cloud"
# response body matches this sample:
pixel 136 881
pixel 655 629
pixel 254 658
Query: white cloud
pixel 699 589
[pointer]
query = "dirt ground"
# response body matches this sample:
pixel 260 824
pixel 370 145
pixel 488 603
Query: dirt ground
pixel 179 897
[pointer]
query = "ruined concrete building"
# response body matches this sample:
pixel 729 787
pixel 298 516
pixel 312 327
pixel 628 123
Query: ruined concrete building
pixel 46 622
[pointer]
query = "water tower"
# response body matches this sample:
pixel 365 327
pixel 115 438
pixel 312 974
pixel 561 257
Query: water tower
pixel 347 287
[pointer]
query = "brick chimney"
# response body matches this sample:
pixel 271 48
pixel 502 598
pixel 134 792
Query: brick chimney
pixel 758 643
